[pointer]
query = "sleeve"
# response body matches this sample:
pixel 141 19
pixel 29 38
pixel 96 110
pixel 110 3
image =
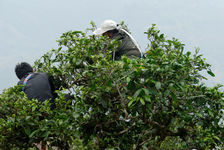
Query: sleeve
pixel 133 53
pixel 20 82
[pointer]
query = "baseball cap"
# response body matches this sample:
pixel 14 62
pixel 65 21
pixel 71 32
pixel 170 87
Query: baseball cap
pixel 107 25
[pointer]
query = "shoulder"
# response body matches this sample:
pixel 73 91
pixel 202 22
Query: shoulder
pixel 123 32
pixel 41 75
pixel 119 35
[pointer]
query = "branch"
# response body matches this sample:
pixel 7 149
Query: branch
pixel 122 100
pixel 123 131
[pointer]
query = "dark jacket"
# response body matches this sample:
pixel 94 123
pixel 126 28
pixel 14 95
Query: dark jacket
pixel 39 86
pixel 128 45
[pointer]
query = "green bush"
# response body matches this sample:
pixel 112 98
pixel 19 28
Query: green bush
pixel 25 122
pixel 158 102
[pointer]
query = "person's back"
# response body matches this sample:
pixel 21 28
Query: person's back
pixel 36 85
pixel 128 45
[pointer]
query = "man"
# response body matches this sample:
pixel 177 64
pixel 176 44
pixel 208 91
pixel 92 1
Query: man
pixel 128 46
pixel 36 85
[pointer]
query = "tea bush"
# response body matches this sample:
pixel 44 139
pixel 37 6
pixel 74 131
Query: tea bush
pixel 158 102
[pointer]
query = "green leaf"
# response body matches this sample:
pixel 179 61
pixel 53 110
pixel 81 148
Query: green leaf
pixel 27 131
pixel 46 134
pixel 28 117
pixel 32 134
pixel 174 97
pixel 188 53
pixel 142 101
pixel 128 79
pixel 199 115
pixel 210 113
pixel 74 60
pixel 147 92
pixel 109 83
pixel 78 61
pixel 158 85
pixel 216 137
pixel 104 103
pixel 211 73
pixel 137 93
pixel 147 98
pixel 166 93
pixel 129 104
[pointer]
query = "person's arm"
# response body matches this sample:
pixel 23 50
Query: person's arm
pixel 20 82
pixel 133 53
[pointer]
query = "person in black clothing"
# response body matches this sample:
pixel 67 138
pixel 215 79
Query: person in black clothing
pixel 36 85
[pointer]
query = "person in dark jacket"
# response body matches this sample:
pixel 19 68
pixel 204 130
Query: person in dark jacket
pixel 128 45
pixel 36 85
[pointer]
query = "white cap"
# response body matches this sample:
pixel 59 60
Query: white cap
pixel 107 25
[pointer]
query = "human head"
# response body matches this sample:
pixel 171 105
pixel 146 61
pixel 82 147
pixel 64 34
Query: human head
pixel 106 27
pixel 22 69
pixel 110 33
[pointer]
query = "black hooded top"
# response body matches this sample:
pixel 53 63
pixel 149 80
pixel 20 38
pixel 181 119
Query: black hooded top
pixel 39 86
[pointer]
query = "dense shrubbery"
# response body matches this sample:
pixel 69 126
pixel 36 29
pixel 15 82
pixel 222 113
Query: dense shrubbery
pixel 157 102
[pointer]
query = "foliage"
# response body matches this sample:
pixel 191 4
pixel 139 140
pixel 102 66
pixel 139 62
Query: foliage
pixel 25 122
pixel 158 102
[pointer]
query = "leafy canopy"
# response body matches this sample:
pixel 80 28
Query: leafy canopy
pixel 158 102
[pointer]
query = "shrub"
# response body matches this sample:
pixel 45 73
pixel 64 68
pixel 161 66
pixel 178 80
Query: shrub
pixel 151 103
